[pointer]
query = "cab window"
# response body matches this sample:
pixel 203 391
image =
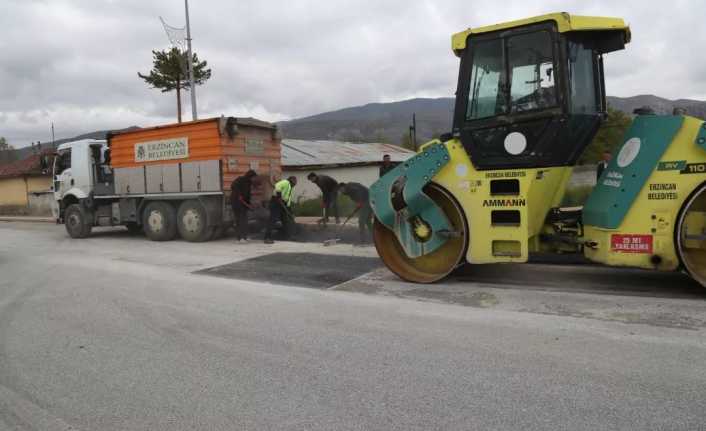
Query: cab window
pixel 582 79
pixel 486 98
pixel 63 161
pixel 531 68
pixel 520 81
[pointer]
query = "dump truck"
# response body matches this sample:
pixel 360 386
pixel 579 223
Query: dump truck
pixel 166 181
pixel 530 98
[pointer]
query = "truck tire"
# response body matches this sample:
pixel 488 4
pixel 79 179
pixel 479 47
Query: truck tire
pixel 192 222
pixel 77 221
pixel 159 221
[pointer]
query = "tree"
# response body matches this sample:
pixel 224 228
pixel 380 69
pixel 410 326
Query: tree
pixel 406 142
pixel 609 136
pixel 7 151
pixel 169 72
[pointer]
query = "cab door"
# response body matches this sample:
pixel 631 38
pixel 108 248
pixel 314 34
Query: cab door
pixel 509 105
pixel 62 174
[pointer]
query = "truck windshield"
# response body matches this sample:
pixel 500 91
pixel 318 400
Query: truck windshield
pixel 62 162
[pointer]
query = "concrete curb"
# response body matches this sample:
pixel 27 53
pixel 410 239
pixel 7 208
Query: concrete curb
pixel 30 219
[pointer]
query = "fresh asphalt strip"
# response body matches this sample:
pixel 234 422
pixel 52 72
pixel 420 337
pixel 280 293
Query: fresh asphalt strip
pixel 318 271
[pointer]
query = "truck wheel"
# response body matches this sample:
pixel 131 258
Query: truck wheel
pixel 159 221
pixel 192 223
pixel 78 221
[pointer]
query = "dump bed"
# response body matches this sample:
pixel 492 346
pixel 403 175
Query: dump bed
pixel 196 156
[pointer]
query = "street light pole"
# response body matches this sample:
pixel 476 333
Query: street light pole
pixel 190 62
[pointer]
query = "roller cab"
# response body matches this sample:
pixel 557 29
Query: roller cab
pixel 531 93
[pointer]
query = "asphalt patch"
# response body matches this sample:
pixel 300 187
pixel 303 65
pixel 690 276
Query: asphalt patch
pixel 318 271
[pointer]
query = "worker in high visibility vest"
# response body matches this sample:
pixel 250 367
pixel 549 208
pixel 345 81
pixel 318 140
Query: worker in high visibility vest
pixel 281 208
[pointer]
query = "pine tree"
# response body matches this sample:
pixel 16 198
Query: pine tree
pixel 169 72
pixel 7 151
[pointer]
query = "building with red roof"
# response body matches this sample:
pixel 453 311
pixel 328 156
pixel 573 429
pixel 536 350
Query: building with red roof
pixel 25 185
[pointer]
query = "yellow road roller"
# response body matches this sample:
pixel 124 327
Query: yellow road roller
pixel 530 98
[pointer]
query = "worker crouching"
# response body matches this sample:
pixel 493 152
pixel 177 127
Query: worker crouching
pixel 281 209
pixel 359 194
pixel 329 195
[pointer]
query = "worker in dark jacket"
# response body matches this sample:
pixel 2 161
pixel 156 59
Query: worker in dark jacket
pixel 329 191
pixel 281 208
pixel 386 166
pixel 603 164
pixel 359 194
pixel 240 195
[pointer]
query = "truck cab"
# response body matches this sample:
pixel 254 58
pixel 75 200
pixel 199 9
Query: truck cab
pixel 79 168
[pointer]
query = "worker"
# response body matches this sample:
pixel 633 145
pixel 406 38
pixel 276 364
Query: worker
pixel 359 194
pixel 329 191
pixel 281 208
pixel 386 166
pixel 240 194
pixel 603 164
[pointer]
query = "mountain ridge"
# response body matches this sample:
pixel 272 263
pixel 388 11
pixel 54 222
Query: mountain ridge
pixel 388 122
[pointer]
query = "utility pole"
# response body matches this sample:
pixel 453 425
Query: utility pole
pixel 52 134
pixel 413 132
pixel 190 62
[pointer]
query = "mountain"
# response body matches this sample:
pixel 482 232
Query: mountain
pixel 660 105
pixel 388 122
pixel 23 152
pixel 375 122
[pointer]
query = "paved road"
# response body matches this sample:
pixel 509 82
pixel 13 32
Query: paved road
pixel 119 333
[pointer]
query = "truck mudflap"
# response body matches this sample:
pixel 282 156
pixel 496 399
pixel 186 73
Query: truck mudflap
pixel 399 202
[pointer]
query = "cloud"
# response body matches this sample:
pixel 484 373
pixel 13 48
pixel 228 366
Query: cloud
pixel 75 62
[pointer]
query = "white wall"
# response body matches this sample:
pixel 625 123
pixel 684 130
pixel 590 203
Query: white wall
pixel 305 189
pixel 40 203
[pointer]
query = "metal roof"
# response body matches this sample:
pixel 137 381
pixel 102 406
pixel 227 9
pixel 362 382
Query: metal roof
pixel 301 153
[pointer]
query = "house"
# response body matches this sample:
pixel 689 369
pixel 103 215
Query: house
pixel 25 185
pixel 344 161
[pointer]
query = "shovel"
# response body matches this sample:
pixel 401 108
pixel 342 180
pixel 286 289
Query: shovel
pixel 333 241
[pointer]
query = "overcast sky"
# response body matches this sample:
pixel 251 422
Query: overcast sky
pixel 75 62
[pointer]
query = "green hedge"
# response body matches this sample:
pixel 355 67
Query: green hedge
pixel 576 196
pixel 312 207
